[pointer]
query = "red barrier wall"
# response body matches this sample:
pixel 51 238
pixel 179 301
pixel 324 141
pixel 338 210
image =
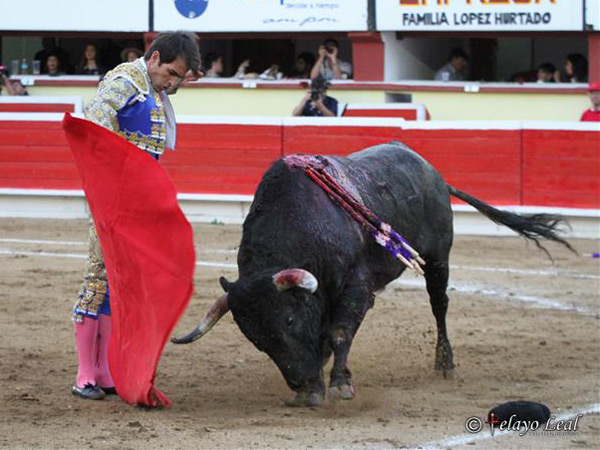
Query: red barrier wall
pixel 408 114
pixel 485 163
pixel 37 107
pixel 224 159
pixel 35 154
pixel 559 168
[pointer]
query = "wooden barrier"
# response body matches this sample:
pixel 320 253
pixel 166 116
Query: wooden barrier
pixel 504 163
pixel 37 104
pixel 407 111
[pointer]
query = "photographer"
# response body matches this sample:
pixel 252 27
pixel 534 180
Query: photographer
pixel 328 65
pixel 316 103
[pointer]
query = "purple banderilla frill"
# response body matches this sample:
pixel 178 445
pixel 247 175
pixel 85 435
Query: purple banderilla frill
pixel 382 232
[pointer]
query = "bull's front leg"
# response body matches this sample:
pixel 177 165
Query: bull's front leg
pixel 349 314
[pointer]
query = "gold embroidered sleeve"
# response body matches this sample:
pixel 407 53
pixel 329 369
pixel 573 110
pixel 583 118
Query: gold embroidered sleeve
pixel 112 96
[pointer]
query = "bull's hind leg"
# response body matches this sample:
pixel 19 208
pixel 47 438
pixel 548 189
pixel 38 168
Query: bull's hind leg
pixel 436 276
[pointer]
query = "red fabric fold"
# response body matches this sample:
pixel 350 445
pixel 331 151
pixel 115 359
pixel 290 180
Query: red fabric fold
pixel 148 249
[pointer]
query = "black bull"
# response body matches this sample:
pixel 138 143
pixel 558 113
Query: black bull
pixel 308 272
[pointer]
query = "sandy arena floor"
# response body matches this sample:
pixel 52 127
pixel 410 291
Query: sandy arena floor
pixel 521 328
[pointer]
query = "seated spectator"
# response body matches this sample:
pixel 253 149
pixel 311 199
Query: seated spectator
pixel 593 114
pixel 545 73
pixel 89 62
pixel 53 67
pixel 316 102
pixel 304 64
pixel 50 48
pixel 241 72
pixel 272 73
pixel 456 67
pixel 12 87
pixel 328 64
pixel 576 69
pixel 526 76
pixel 130 54
pixel 213 65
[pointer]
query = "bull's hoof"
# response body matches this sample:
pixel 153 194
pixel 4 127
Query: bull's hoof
pixel 343 392
pixel 305 399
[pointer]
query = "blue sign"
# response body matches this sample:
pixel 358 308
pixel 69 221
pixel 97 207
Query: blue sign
pixel 191 8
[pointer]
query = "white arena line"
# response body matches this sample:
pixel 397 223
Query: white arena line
pixel 38 241
pixel 535 302
pixel 539 302
pixel 85 243
pixel 84 256
pixel 485 434
pixel 548 273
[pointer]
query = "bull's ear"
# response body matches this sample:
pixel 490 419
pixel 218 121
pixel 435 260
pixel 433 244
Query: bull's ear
pixel 225 284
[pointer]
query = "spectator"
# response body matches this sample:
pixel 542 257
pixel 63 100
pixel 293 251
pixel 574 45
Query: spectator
pixel 456 67
pixel 130 54
pixel 545 73
pixel 576 69
pixel 303 66
pixel 53 67
pixel 89 62
pixel 213 65
pixel 12 87
pixel 50 48
pixel 593 114
pixel 316 102
pixel 272 73
pixel 328 65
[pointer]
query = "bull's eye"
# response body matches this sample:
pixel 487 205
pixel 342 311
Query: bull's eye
pixel 290 320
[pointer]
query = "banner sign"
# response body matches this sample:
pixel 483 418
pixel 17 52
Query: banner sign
pixel 80 15
pixel 479 15
pixel 260 15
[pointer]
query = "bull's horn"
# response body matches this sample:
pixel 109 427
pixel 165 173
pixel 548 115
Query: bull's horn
pixel 290 278
pixel 216 311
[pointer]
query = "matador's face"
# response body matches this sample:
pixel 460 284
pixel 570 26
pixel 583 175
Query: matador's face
pixel 166 75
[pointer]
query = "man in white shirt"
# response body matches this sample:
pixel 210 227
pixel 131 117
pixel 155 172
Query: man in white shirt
pixel 456 68
pixel 328 65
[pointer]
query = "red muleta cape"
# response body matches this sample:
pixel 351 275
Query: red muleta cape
pixel 148 250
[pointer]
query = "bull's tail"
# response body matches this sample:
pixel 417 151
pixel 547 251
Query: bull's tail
pixel 533 227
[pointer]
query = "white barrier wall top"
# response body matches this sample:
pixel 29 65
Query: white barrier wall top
pixel 80 15
pixel 346 121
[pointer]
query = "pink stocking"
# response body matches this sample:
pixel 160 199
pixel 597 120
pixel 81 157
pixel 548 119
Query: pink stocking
pixel 85 336
pixel 102 372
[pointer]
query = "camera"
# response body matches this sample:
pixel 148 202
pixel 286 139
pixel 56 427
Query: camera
pixel 318 86
pixel 3 70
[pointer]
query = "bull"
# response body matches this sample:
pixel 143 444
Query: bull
pixel 308 272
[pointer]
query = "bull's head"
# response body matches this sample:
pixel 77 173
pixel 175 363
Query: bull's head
pixel 281 315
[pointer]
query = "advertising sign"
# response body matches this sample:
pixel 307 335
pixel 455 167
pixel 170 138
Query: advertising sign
pixel 479 15
pixel 260 15
pixel 80 15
